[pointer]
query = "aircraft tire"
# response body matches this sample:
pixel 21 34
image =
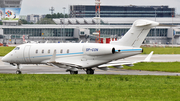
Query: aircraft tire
pixel 90 71
pixel 73 72
pixel 18 72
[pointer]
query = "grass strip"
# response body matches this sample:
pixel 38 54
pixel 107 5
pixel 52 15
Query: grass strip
pixel 161 50
pixel 33 87
pixel 5 50
pixel 156 66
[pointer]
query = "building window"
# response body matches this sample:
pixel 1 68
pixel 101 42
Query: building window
pixel 82 33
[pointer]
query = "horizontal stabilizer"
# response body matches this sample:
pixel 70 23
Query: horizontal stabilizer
pixel 139 24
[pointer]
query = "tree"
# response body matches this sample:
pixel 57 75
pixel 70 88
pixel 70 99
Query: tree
pixel 46 21
pixel 48 16
pixel 66 15
pixel 54 15
pixel 1 23
pixel 22 21
pixel 58 15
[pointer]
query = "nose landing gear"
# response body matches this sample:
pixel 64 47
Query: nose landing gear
pixel 18 70
pixel 73 72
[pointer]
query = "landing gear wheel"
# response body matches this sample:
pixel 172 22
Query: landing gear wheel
pixel 73 72
pixel 18 72
pixel 90 71
pixel 18 69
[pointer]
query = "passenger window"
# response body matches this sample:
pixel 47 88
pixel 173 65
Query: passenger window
pixel 48 51
pixel 61 51
pixel 42 51
pixel 36 51
pixel 68 51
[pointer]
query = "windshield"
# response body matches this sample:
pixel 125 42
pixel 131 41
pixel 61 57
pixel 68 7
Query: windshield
pixel 17 48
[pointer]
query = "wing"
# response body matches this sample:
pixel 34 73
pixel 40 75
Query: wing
pixel 68 66
pixel 119 64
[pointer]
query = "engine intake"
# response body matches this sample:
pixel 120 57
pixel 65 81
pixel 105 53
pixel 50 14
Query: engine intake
pixel 113 50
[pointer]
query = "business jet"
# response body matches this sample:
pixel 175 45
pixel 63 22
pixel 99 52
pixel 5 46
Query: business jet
pixel 26 41
pixel 86 56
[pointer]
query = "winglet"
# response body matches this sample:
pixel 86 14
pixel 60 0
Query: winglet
pixel 46 41
pixel 53 57
pixel 80 41
pixel 148 57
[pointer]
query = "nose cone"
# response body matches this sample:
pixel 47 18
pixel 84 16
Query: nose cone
pixel 4 59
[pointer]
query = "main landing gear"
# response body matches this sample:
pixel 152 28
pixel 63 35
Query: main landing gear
pixel 18 70
pixel 89 71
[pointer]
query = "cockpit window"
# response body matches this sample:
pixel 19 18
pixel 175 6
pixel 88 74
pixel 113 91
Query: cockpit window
pixel 17 48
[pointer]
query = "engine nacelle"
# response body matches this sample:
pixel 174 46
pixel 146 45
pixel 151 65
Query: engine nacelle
pixel 98 49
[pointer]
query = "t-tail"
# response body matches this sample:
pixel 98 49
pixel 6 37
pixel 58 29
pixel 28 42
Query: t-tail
pixel 136 34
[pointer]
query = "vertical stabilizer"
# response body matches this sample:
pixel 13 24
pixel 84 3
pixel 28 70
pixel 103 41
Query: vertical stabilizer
pixel 137 33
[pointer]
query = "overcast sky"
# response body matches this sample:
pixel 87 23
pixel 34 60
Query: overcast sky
pixel 42 6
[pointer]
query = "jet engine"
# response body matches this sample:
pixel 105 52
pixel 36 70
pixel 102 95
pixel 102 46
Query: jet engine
pixel 98 49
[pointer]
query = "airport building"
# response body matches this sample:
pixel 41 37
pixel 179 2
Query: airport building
pixel 81 11
pixel 83 28
pixel 10 3
pixel 79 28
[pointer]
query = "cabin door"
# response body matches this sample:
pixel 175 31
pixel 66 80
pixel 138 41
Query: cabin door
pixel 27 54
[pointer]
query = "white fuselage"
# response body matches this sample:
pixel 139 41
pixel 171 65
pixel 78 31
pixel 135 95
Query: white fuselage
pixel 72 53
